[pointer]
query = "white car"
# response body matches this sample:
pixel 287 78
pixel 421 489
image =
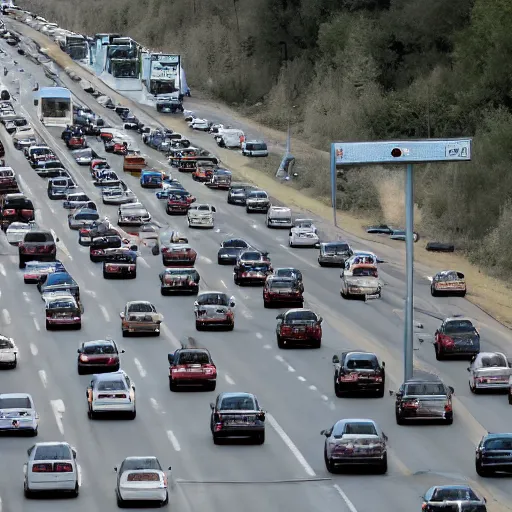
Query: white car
pixel 201 216
pixel 8 352
pixel 17 413
pixel 305 224
pixel 16 231
pixel 111 393
pixel 489 370
pixel 133 214
pixel 51 467
pixel 279 217
pixel 303 237
pixel 141 479
pixel 200 124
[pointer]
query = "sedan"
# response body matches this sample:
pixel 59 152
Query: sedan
pixel 355 442
pixel 84 217
pixel 299 327
pixel 230 250
pixel 442 498
pixel 97 356
pixel 456 336
pixel 140 316
pixel 111 393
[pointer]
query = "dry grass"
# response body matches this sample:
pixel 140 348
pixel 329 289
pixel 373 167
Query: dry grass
pixel 490 294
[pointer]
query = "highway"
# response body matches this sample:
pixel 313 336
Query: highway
pixel 294 386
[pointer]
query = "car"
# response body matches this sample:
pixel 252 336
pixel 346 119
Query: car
pixel 237 415
pixel 37 244
pixel 151 179
pixel 179 280
pixel 381 229
pixel 257 201
pixel 83 156
pixel 448 282
pixel 201 216
pixel 50 168
pixel 279 217
pixel 400 234
pixel 62 310
pixel 60 187
pixel 360 281
pixel 120 263
pixel 303 237
pixel 18 413
pixel 36 271
pixel 494 454
pixel 105 178
pixel 220 179
pixel 424 399
pixel 334 253
pixel 75 201
pixel 358 371
pixel 251 272
pixel 140 316
pixel 118 194
pixel 51 467
pixel 489 371
pixel 290 272
pixel 442 498
pixel 8 353
pixel 200 124
pixel 58 283
pixel 299 327
pixel 38 151
pixel 141 479
pixel 83 217
pixel 133 214
pixel 355 442
pixel 361 258
pixel 15 208
pixel 238 192
pixel 254 148
pixel 457 336
pixel 192 367
pixel 230 251
pixel 85 235
pixel 98 356
pixel 252 256
pixel 214 309
pixel 16 231
pixel 111 393
pixel 282 291
pixel 204 171
pixel 178 201
pixel 99 244
pixel 76 142
pixel 177 254
pixel 8 181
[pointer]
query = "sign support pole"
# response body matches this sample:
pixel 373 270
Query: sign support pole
pixel 333 184
pixel 409 247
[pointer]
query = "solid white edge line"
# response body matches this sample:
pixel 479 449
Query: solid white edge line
pixel 290 444
pixel 173 440
pixel 36 324
pixel 345 498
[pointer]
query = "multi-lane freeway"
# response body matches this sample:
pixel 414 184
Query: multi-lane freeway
pixel 294 386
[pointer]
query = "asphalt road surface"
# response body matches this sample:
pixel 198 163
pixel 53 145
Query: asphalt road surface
pixel 294 386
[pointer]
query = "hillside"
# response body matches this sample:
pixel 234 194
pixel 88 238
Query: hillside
pixel 354 70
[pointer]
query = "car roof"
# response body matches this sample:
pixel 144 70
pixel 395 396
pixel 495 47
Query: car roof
pixel 182 269
pixel 16 395
pixel 427 378
pixel 92 343
pixel 359 353
pixel 234 394
pixel 141 457
pixel 357 420
pixel 295 310
pixel 198 350
pixel 458 319
pixel 213 291
pixel 110 376
pixel 52 443
pixel 132 302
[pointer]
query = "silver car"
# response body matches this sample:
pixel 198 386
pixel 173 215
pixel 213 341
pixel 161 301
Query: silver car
pixel 117 195
pixel 489 370
pixel 141 479
pixel 111 393
pixel 355 442
pixel 133 214
pixel 257 201
pixel 76 200
pixel 8 352
pixel 18 413
pixel 16 231
pixel 83 218
pixel 51 467
pixel 214 309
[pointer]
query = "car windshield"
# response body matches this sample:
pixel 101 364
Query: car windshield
pixel 22 402
pixel 5 343
pixel 494 360
pixel 364 272
pixel 235 244
pixel 38 238
pixel 300 316
pixel 288 272
pixel 362 362
pixel 237 403
pixel 111 385
pixel 426 388
pixel 459 326
pixel 53 452
pixel 454 494
pixel 193 358
pixel 141 307
pixel 335 248
pixel 141 463
pixel 99 349
pixel 213 299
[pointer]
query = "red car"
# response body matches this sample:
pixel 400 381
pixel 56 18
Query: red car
pixel 98 163
pixel 76 142
pixel 299 327
pixel 179 202
pixel 15 208
pixel 120 148
pixel 37 245
pixel 192 367
pixel 99 355
pixel 282 290
pixel 178 255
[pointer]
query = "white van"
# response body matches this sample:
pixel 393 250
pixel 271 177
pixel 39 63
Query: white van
pixel 279 217
pixel 229 138
pixel 254 148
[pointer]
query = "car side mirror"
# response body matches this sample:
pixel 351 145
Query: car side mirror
pixel 325 433
pixel 383 364
pixel 155 250
pixel 342 273
pixel 335 359
pixel 122 351
pixel 232 304
pixel 212 406
pixel 134 248
pixel 196 304
pixel 437 332
pixel 169 468
pixel 121 314
pixel 73 450
pixel 57 239
pixel 214 210
pixel 79 351
pixel 320 320
pixel 452 391
pixel 36 103
pixel 279 317
pixel 115 469
pixel 468 369
pixel 170 358
pixel 485 499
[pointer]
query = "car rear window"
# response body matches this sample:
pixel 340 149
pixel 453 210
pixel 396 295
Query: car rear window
pixel 301 316
pixel 193 358
pixel 498 444
pixel 456 326
pixel 22 203
pixel 38 237
pixel 366 362
pixel 281 284
pixel 111 385
pixel 61 304
pixel 360 428
pixel 465 494
pixel 87 216
pixel 235 244
pixel 99 349
pixel 426 389
pixel 143 477
pixel 213 299
pixel 6 344
pixel 141 308
pixel 238 403
pixel 364 272
pixel 22 402
pixel 53 452
pixel 496 361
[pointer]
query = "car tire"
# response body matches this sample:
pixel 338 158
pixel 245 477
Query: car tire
pixel 290 243
pixel 33 432
pixel 163 291
pixel 172 385
pixel 380 392
pixel 21 263
pixel 510 399
pixel 76 491
pixel 91 414
pixel 266 304
pixel 199 327
pixel 331 468
pixel 125 333
pixel 230 327
pixel 337 390
pixel 120 502
pixel 211 386
pixel 481 471
pixel 133 414
pixel 433 292
pixel 280 342
pixel 439 354
pixel 449 420
pixel 166 501
pixel 78 326
pixel 116 367
pixel 317 344
pixel 80 370
pixel 473 389
pixel 106 275
pixel 382 469
pixel 156 334
pixel 27 492
pixel 48 326
pixel 321 263
pixel 462 294
pixel 399 418
pixel 134 275
pixel 260 438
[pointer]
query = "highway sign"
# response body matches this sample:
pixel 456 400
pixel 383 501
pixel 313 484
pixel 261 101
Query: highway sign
pixel 402 151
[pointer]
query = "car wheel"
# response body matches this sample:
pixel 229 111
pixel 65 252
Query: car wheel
pixel 156 333
pixel 383 466
pixel 337 390
pixel 510 399
pixel 120 502
pixel 134 274
pixel 439 354
pixel 317 344
pixel 76 491
pixel 106 275
pixel 433 292
pixel 199 326
pixel 473 388
pixel 260 438
pixel 33 432
pixel 320 263
pixel 81 371
pixel 399 418
pixel 90 413
pixel 26 491
pixel 163 291
pixel 125 333
pixel 133 414
pixel 231 326
pixel 215 438
pixel 280 342
pixel 172 385
pixel 21 263
pixel 329 464
pixel 78 327
pixel 290 243
pixel 48 326
pixel 481 471
pixel 448 420
pixel 462 294
pixel 211 386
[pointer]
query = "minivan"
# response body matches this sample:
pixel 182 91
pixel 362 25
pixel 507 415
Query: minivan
pixel 254 148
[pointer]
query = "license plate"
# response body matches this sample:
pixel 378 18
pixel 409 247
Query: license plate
pixel 299 329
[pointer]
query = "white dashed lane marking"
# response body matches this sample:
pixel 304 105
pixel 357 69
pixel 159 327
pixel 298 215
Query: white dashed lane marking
pixel 7 316
pixel 43 377
pixel 105 313
pixel 313 388
pixel 140 368
pixel 2 270
pixel 59 409
pixel 345 498
pixel 229 380
pixel 26 297
pixel 173 440
pixel 36 324
pixel 259 335
pixel 302 379
pixel 33 349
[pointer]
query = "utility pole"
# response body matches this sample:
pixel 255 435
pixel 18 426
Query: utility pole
pixel 239 47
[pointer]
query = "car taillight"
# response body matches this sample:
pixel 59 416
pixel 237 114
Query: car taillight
pixel 411 405
pixel 63 468
pixel 9 212
pixel 20 245
pixel 180 368
pixel 424 506
pixel 42 468
pixel 448 407
pixel 84 231
pixel 286 329
pixel 84 358
pixel 244 274
pixel 349 377
pixel 209 368
pixel 446 341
